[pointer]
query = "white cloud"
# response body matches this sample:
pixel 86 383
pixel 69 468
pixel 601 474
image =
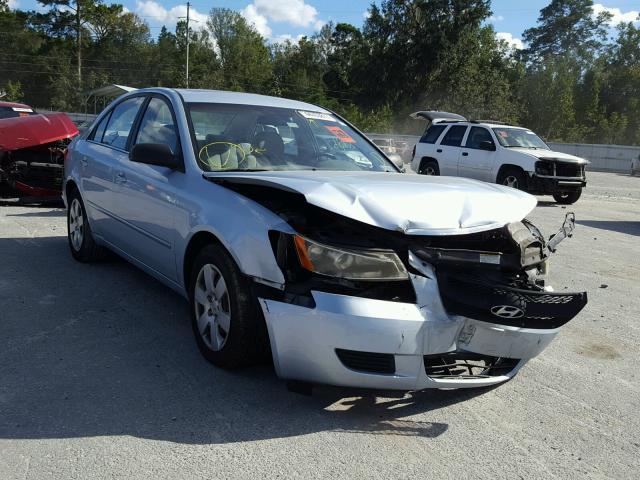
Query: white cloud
pixel 293 12
pixel 287 37
pixel 366 14
pixel 13 4
pixel 617 16
pixel 154 11
pixel 513 42
pixel 259 21
pixel 496 18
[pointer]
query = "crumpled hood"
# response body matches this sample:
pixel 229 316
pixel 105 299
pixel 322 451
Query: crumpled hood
pixel 34 130
pixel 550 154
pixel 412 204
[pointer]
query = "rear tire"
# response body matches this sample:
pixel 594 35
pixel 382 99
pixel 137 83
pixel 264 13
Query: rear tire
pixel 226 319
pixel 514 178
pixel 567 198
pixel 81 243
pixel 429 167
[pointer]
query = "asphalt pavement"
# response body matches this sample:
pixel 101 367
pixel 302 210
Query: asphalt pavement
pixel 100 377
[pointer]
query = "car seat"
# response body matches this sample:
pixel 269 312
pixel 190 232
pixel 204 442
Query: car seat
pixel 270 147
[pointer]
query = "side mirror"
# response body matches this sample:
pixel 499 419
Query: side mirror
pixel 396 159
pixel 155 154
pixel 488 145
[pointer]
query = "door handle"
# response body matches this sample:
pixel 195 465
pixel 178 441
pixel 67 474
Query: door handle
pixel 439 150
pixel 465 154
pixel 84 161
pixel 121 177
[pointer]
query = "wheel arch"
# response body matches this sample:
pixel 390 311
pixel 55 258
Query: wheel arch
pixel 509 166
pixel 196 243
pixel 426 159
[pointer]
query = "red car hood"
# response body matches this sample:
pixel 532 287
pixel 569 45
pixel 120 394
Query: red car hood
pixel 34 130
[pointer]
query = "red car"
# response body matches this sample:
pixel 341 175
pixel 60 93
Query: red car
pixel 32 149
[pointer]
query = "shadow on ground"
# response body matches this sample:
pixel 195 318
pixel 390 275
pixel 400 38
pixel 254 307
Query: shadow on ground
pixel 628 227
pixel 103 349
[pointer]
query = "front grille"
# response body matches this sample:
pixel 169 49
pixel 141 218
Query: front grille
pixel 467 365
pixel 488 300
pixel 568 170
pixel 382 363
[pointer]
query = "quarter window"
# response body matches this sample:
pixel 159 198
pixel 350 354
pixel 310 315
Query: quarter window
pixel 432 134
pixel 99 131
pixel 119 126
pixel 157 125
pixel 454 135
pixel 477 135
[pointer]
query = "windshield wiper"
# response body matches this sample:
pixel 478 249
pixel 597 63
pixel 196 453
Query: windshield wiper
pixel 243 170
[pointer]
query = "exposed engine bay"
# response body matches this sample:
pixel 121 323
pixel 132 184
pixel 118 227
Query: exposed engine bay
pixel 32 150
pixel 498 275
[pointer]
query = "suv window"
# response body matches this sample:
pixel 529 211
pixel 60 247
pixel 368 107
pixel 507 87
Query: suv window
pixel 119 126
pixel 454 136
pixel 157 125
pixel 477 135
pixel 432 134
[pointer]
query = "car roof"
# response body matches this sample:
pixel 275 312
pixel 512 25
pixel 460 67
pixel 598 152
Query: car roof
pixel 13 105
pixel 241 98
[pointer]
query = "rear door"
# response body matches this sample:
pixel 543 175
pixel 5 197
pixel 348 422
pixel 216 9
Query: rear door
pixel 474 162
pixel 146 203
pixel 449 149
pixel 99 156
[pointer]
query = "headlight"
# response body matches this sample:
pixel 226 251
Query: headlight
pixel 349 264
pixel 544 167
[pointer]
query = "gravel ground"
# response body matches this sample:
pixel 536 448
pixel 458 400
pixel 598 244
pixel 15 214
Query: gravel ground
pixel 100 378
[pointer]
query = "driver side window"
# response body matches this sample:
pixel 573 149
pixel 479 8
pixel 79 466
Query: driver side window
pixel 157 125
pixel 477 135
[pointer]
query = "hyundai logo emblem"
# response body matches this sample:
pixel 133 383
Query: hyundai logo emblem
pixel 507 311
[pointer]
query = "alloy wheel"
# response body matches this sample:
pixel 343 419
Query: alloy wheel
pixel 212 307
pixel 511 181
pixel 76 224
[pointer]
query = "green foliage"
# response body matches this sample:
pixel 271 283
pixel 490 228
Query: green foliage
pixel 13 92
pixel 573 82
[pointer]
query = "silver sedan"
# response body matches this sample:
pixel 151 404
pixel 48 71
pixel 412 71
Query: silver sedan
pixel 295 238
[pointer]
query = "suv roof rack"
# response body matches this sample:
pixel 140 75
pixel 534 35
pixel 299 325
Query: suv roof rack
pixel 497 122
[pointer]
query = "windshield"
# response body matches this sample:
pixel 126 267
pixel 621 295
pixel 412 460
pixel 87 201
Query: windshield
pixel 519 137
pixel 247 137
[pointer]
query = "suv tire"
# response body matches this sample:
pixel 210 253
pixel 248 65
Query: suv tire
pixel 225 315
pixel 429 167
pixel 567 198
pixel 514 178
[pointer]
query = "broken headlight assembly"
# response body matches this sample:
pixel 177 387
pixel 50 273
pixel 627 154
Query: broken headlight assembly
pixel 349 264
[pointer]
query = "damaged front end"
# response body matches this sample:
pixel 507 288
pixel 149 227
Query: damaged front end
pixel 372 307
pixel 32 150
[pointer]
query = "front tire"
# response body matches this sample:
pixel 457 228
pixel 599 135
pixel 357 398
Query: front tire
pixel 567 198
pixel 225 316
pixel 514 178
pixel 81 243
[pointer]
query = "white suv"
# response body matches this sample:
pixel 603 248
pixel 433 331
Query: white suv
pixel 495 152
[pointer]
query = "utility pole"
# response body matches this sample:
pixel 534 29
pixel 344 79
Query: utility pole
pixel 187 65
pixel 79 45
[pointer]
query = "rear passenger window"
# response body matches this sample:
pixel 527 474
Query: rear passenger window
pixel 432 134
pixel 99 131
pixel 157 125
pixel 120 123
pixel 454 136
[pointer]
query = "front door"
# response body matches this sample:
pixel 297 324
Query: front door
pixel 147 194
pixel 474 161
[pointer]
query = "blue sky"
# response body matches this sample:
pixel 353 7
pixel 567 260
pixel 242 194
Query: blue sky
pixel 281 19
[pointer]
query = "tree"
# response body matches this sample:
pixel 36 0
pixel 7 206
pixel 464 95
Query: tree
pixel 244 58
pixel 569 28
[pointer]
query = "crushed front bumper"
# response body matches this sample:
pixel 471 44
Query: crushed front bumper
pixel 368 343
pixel 541 185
